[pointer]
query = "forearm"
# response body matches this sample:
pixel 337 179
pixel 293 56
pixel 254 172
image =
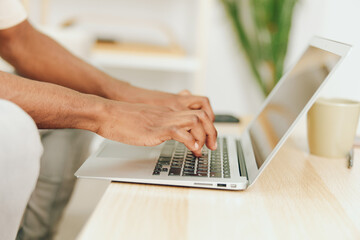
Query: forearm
pixel 51 106
pixel 36 56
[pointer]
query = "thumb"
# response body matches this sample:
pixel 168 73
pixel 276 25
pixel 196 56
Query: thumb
pixel 185 93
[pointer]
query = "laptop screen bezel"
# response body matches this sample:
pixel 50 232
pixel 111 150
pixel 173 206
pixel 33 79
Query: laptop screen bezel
pixel 253 171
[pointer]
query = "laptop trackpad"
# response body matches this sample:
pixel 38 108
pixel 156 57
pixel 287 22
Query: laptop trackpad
pixel 119 150
pixel 117 161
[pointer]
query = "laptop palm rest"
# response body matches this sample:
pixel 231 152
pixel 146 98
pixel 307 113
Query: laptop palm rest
pixel 117 160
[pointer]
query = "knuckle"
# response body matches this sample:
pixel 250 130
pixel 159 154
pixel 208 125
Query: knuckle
pixel 206 100
pixel 179 106
pixel 174 130
pixel 188 139
pixel 202 114
pixel 195 119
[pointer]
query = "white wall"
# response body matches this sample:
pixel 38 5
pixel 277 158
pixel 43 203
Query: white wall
pixel 230 85
pixel 228 70
pixel 335 20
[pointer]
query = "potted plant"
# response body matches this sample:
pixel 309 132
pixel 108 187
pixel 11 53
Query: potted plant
pixel 262 28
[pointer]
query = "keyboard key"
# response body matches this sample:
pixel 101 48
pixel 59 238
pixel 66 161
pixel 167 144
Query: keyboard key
pixel 166 153
pixel 215 175
pixel 201 174
pixel 175 159
pixel 177 163
pixel 196 175
pixel 189 169
pixel 215 168
pixel 188 174
pixel 203 161
pixel 174 171
pixel 164 163
pixel 203 164
pixel 202 167
pixel 189 165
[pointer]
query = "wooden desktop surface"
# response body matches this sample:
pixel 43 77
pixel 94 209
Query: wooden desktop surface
pixel 298 196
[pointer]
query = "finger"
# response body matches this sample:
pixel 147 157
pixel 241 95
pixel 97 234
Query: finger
pixel 206 106
pixel 185 93
pixel 209 112
pixel 208 126
pixel 197 130
pixel 202 103
pixel 179 107
pixel 193 122
pixel 185 137
pixel 210 130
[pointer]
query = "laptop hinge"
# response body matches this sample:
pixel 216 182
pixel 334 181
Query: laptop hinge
pixel 241 159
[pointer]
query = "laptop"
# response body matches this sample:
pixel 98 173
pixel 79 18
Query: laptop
pixel 239 159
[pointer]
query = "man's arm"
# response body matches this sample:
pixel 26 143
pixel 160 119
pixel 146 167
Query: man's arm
pixel 36 56
pixel 50 105
pixel 54 106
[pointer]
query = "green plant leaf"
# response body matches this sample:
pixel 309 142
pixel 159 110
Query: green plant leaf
pixel 265 36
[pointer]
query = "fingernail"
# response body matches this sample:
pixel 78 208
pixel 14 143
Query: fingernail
pixel 196 146
pixel 215 145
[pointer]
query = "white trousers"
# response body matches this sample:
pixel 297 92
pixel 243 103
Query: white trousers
pixel 64 152
pixel 20 153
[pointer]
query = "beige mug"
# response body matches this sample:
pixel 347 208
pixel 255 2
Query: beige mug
pixel 332 126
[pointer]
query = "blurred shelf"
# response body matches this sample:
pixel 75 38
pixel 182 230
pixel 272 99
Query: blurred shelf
pixel 145 62
pixel 112 46
pixel 141 56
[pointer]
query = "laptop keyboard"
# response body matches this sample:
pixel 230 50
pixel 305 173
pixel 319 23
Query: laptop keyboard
pixel 176 160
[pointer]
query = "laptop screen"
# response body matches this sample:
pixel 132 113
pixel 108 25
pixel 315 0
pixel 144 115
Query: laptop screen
pixel 288 100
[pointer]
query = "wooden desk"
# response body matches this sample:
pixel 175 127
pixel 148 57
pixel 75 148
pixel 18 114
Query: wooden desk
pixel 297 197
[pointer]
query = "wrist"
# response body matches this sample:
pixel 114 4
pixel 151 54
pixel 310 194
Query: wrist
pixel 115 89
pixel 125 92
pixel 88 113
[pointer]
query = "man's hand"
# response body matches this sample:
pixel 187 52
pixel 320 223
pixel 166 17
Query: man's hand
pixel 36 56
pixel 177 102
pixel 53 106
pixel 144 125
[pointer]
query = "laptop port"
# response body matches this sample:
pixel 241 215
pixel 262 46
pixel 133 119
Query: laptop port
pixel 221 184
pixel 203 184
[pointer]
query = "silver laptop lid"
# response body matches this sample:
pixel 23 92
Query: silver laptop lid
pixel 291 98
